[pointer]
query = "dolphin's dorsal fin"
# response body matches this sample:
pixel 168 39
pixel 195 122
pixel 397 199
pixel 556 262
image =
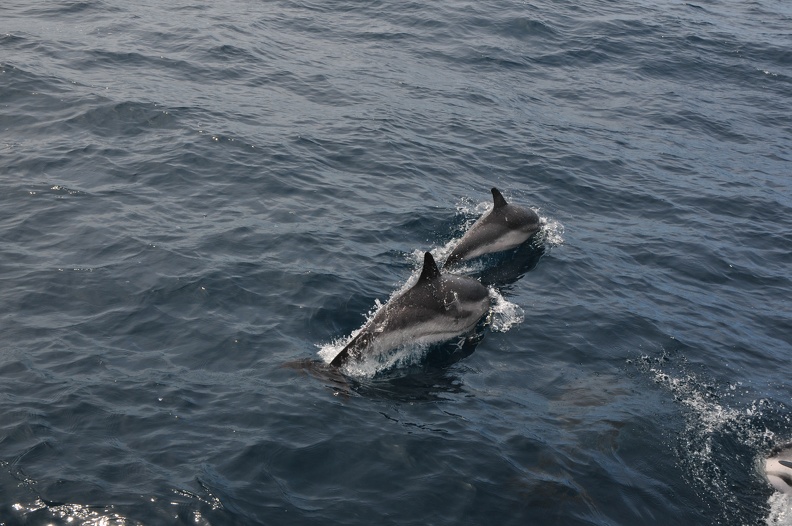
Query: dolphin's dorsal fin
pixel 430 270
pixel 499 200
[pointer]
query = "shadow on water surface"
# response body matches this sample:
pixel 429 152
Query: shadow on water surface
pixel 506 268
pixel 423 377
pixel 425 380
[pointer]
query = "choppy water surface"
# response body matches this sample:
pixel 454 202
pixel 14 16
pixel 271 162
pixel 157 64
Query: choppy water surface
pixel 199 201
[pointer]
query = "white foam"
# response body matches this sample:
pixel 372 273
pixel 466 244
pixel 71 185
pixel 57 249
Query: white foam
pixel 328 351
pixel 503 314
pixel 403 356
pixel 780 510
pixel 551 232
pixel 474 210
pixel 380 358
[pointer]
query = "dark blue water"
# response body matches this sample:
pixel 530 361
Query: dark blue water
pixel 200 200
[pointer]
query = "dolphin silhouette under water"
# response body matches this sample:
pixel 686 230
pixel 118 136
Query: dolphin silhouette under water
pixel 504 227
pixel 437 308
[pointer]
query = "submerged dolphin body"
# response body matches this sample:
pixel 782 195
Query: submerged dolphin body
pixel 504 227
pixel 437 308
pixel 778 469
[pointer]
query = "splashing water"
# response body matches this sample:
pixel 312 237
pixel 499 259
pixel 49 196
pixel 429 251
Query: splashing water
pixel 551 233
pixel 722 447
pixel 780 510
pixel 503 314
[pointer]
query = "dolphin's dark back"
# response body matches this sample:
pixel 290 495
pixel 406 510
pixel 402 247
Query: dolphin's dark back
pixel 353 349
pixel 429 278
pixel 511 214
pixel 430 271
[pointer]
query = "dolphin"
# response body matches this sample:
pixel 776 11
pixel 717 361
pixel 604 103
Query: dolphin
pixel 778 469
pixel 504 227
pixel 437 308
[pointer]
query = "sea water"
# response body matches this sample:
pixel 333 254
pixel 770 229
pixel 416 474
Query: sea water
pixel 197 198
